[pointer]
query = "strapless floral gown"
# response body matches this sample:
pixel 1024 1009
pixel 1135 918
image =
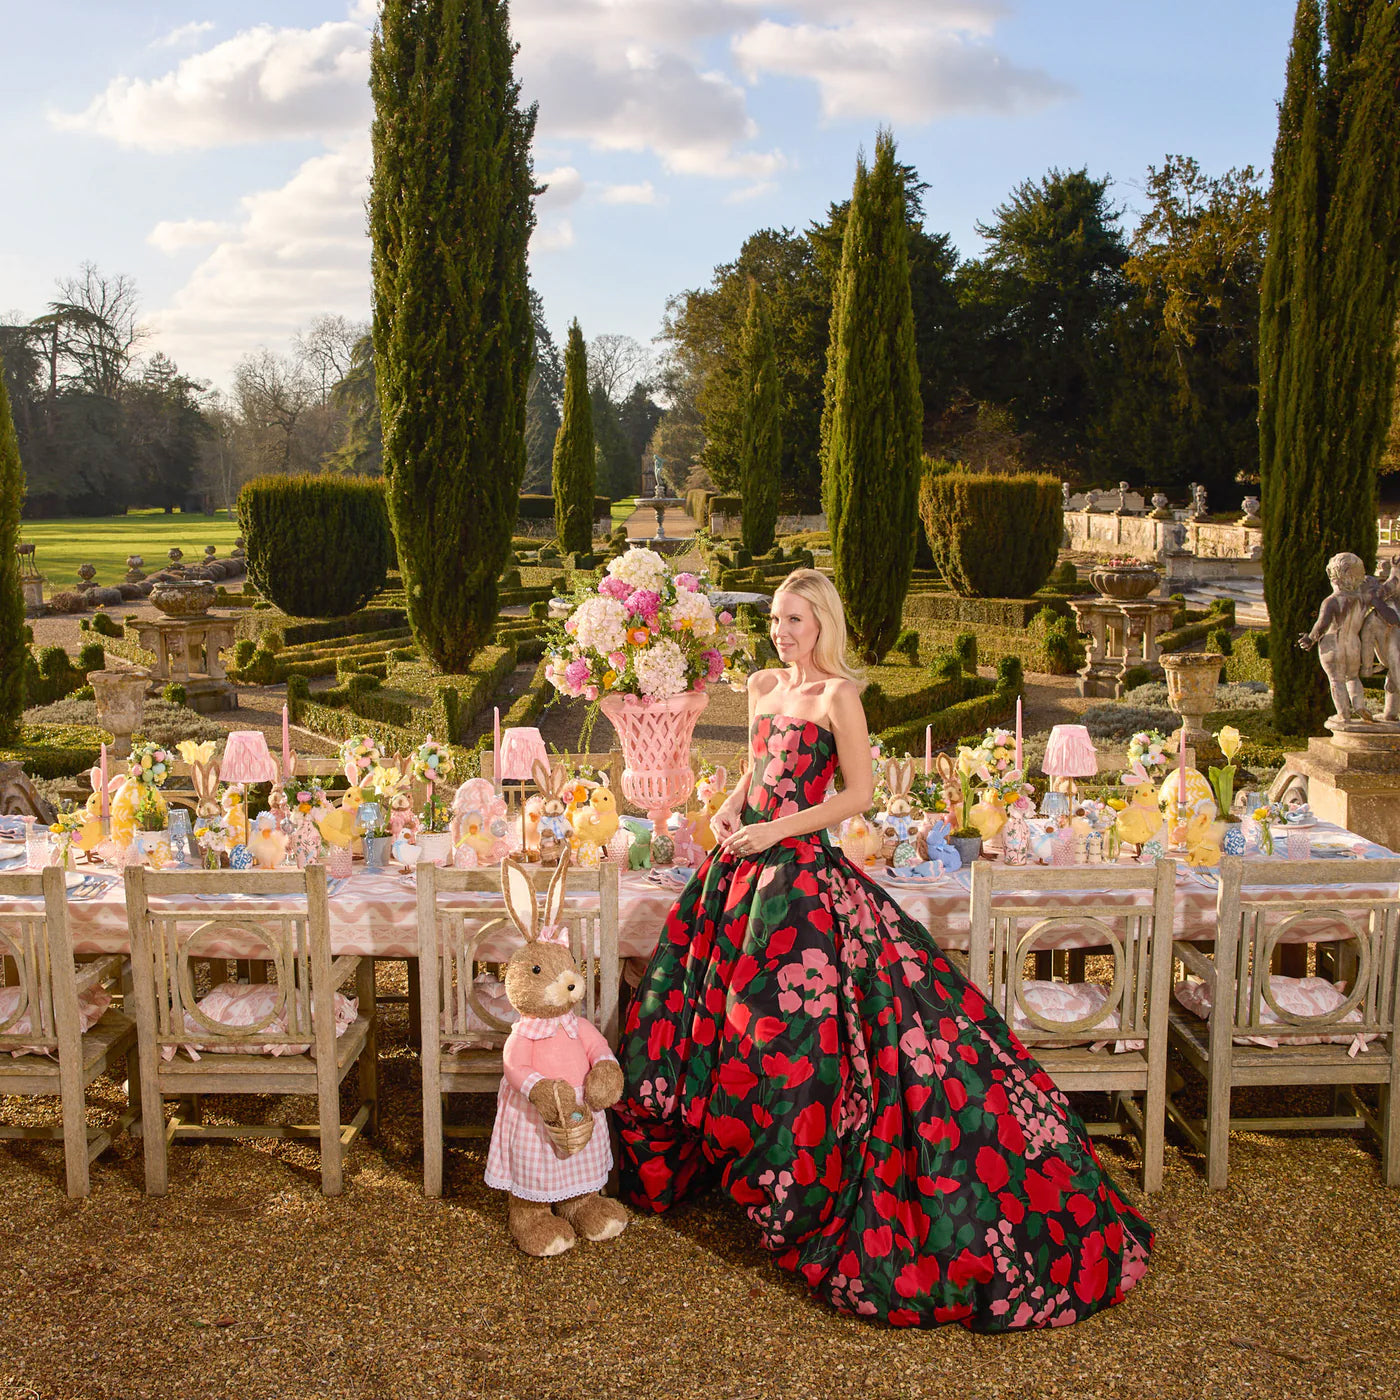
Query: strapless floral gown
pixel 803 1041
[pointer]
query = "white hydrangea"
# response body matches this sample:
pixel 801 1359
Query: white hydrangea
pixel 695 609
pixel 640 568
pixel 660 670
pixel 600 624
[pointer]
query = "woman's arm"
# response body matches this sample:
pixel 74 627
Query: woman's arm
pixel 853 751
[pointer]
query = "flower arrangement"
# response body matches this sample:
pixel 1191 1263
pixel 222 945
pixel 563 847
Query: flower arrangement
pixel 1149 748
pixel 150 763
pixel 431 764
pixel 643 631
pixel 1222 779
pixel 361 751
pixel 151 813
pixel 988 767
pixel 1264 816
pixel 64 830
pixel 214 838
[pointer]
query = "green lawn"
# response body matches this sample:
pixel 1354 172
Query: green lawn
pixel 622 510
pixel 62 545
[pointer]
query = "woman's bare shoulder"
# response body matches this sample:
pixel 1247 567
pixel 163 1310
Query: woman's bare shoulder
pixel 761 682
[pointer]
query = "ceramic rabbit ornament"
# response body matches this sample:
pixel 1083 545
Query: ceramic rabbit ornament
pixel 550 1147
pixel 553 783
pixel 900 817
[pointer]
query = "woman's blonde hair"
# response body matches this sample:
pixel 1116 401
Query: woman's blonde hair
pixel 829 654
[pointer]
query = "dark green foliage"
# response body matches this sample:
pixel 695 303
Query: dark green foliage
pixel 1010 673
pixel 318 546
pixel 723 505
pixel 946 667
pixel 450 216
pixel 614 471
pixel 91 657
pixel 984 612
pixel 907 644
pixel 872 423
pixel 539 609
pixel 574 453
pixel 174 694
pixel 13 648
pixel 1064 652
pixel 965 649
pixel 1221 641
pixel 1065 575
pixel 761 439
pixel 1135 676
pixel 1327 321
pixel 545 394
pixel 243 650
pixel 992 536
pixel 104 626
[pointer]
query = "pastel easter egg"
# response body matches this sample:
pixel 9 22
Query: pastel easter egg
pixel 241 858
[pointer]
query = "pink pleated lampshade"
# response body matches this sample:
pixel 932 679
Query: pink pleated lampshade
pixel 1070 753
pixel 247 759
pixel 519 750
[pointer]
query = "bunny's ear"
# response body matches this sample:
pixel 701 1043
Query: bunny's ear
pixel 905 770
pixel 721 777
pixel 540 774
pixel 520 898
pixel 95 777
pixel 559 779
pixel 554 900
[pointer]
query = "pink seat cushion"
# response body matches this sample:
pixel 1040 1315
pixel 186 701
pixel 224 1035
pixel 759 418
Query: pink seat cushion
pixel 92 1006
pixel 1069 1001
pixel 234 1004
pixel 478 1033
pixel 1303 996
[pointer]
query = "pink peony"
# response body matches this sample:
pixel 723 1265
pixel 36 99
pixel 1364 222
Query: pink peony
pixel 613 587
pixel 617 660
pixel 590 692
pixel 645 602
pixel 687 581
pixel 726 618
pixel 715 664
pixel 576 673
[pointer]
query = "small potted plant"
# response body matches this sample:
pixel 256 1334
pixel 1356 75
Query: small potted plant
pixel 152 825
pixel 1222 782
pixel 212 836
pixel 431 765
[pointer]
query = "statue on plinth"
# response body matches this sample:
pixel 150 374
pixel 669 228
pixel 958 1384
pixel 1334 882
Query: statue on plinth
pixel 1358 621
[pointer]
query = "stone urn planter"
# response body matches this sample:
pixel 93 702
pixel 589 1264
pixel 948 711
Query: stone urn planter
pixel 1191 681
pixel 183 599
pixel 121 703
pixel 1124 582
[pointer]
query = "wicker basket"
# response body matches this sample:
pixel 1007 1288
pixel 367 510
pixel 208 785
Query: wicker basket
pixel 575 1124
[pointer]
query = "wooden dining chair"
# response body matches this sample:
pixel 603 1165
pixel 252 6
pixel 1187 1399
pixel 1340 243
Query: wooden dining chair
pixel 452 933
pixel 1355 943
pixel 1127 912
pixel 171 935
pixel 43 1047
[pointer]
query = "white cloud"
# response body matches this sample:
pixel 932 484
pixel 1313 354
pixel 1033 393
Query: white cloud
pixel 747 192
pixel 563 185
pixel 552 236
pixel 171 236
pixel 645 193
pixel 298 250
pixel 183 34
pixel 263 84
pixel 894 60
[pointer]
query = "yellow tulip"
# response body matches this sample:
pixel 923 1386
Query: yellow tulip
pixel 193 752
pixel 1229 740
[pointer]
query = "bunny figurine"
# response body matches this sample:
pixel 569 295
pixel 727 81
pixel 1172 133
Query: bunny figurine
pixel 550 1147
pixel 553 783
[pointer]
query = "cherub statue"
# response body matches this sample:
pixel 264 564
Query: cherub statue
pixel 1380 633
pixel 1337 635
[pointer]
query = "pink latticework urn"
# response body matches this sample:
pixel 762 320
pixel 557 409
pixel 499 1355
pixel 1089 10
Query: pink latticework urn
pixel 655 737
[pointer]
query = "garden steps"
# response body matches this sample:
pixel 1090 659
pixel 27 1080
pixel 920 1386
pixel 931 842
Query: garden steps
pixel 1246 594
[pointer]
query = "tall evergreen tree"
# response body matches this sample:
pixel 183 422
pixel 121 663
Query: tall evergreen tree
pixel 873 417
pixel 761 451
pixel 574 458
pixel 613 475
pixel 1327 318
pixel 12 643
pixel 450 215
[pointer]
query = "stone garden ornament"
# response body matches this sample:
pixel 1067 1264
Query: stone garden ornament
pixel 1357 625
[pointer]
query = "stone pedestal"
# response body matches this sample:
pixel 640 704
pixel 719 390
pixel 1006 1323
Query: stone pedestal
pixel 121 702
pixel 187 650
pixel 33 588
pixel 1191 680
pixel 1354 779
pixel 1122 635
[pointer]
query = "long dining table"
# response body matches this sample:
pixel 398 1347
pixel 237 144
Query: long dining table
pixel 373 913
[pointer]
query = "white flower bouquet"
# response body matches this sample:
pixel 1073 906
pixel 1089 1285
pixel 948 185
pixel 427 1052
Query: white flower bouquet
pixel 643 630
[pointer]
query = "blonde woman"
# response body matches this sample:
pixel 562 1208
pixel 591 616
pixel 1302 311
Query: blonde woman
pixel 804 1041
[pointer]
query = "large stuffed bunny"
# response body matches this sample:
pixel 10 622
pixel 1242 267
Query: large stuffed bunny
pixel 550 1148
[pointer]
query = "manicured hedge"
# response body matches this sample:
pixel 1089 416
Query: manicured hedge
pixel 318 546
pixel 724 505
pixel 992 536
pixel 983 612
pixel 534 507
pixel 990 704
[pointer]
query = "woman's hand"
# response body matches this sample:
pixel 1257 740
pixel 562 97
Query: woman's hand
pixel 725 822
pixel 751 840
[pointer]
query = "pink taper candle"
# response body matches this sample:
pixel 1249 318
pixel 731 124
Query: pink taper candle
pixel 286 745
pixel 496 747
pixel 1181 771
pixel 102 801
pixel 928 750
pixel 1020 767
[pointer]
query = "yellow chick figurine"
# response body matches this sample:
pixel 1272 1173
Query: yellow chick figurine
pixel 267 844
pixel 235 816
pixel 712 794
pixel 336 824
pixel 861 841
pixel 1141 819
pixel 596 822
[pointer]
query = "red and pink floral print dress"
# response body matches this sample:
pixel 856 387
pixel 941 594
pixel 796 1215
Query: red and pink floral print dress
pixel 801 1040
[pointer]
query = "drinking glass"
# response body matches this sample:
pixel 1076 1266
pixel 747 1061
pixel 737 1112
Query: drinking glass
pixel 181 843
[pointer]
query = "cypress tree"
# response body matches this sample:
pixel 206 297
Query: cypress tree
pixel 1327 317
pixel 761 449
pixel 872 420
pixel 450 215
pixel 13 647
pixel 574 461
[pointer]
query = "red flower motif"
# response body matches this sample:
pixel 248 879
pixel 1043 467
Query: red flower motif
pixel 918 1277
pixel 661 1037
pixel 1060 1269
pixel 779 946
pixel 810 1126
pixel 956 1093
pixel 1041 1192
pixel 829 1036
pixel 878 1243
pixel 804 1169
pixel 1081 1208
pixel 992 1170
pixel 971 1268
pixel 1009 1134
pixel 736 1078
pixel 745 970
pixel 731 1134
pixel 1011 1208
pixel 887 1125
pixel 785 1072
pixel 768 1028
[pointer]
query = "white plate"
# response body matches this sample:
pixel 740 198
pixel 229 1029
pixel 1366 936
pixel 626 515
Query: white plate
pixel 10 849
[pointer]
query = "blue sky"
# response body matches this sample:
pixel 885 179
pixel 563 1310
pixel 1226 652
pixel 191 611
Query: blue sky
pixel 217 152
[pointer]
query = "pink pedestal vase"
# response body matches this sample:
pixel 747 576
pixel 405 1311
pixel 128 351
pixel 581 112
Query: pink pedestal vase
pixel 655 737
